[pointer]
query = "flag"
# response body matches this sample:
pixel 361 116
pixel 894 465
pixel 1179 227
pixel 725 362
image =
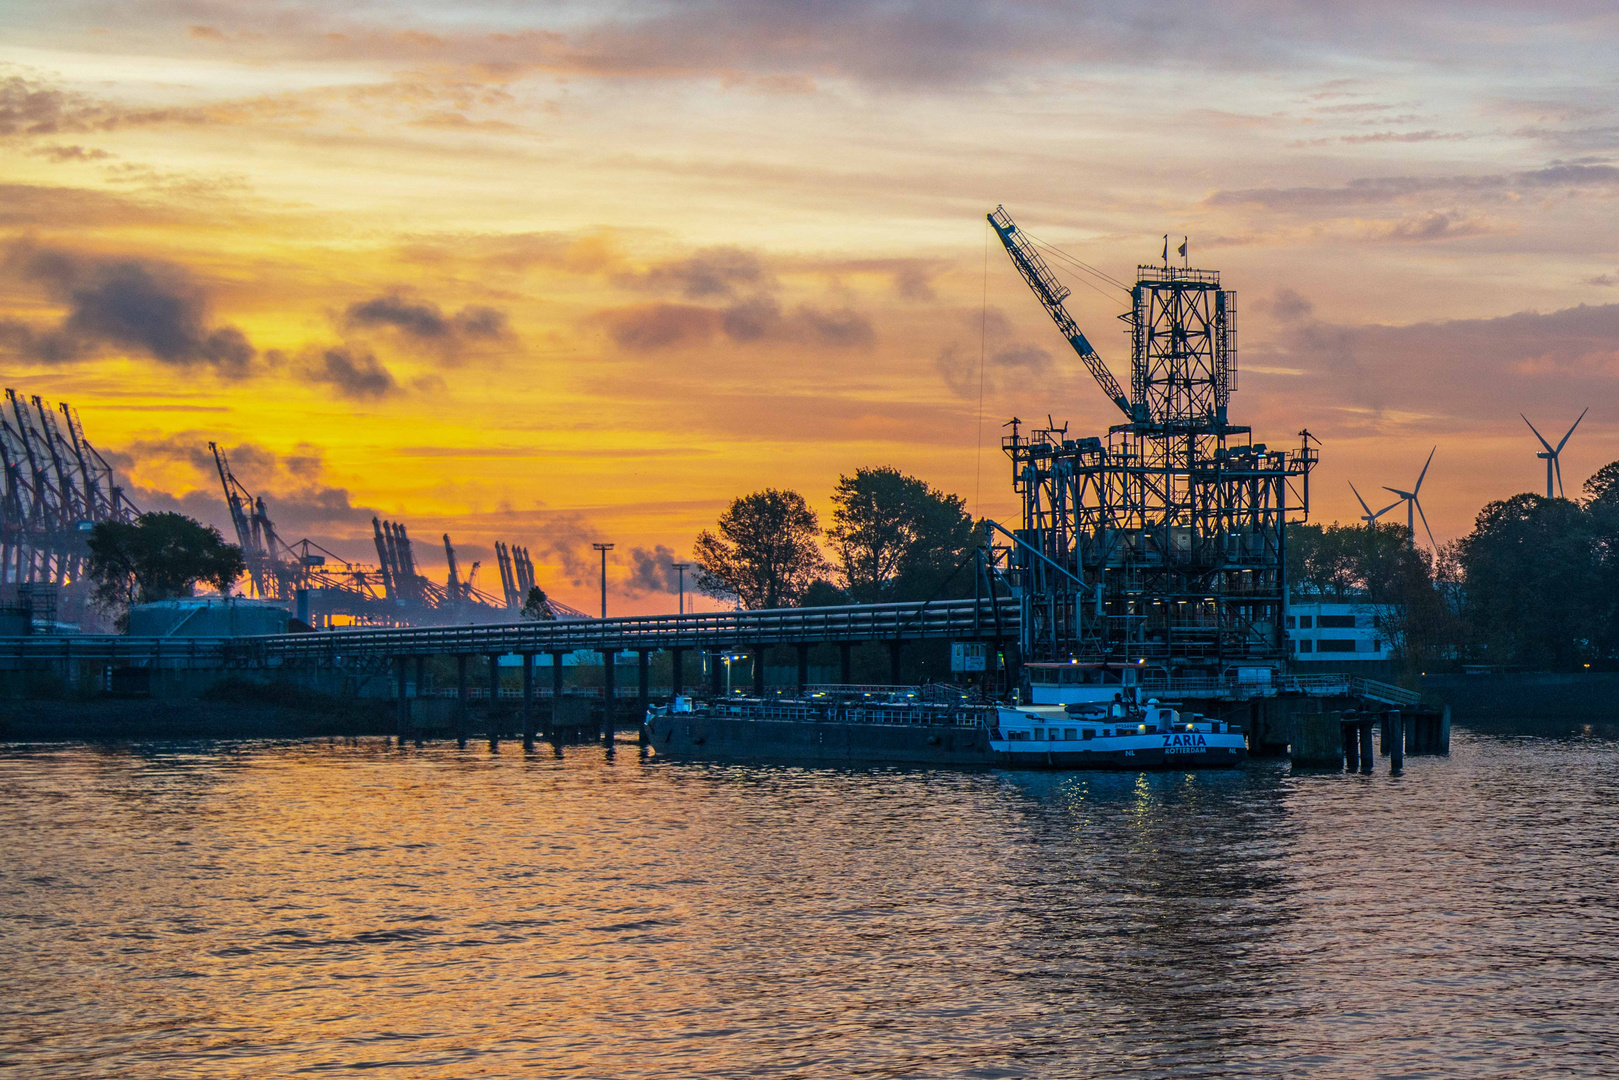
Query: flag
pixel 1182 249
pixel 1166 247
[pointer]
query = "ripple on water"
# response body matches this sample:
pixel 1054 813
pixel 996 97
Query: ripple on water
pixel 274 909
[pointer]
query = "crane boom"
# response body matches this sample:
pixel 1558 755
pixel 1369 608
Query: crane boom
pixel 1051 293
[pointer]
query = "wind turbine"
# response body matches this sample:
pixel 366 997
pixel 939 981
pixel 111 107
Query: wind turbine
pixel 1368 517
pixel 1413 508
pixel 1552 464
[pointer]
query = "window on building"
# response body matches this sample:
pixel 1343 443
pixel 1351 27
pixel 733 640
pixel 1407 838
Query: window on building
pixel 1306 646
pixel 1336 645
pixel 1290 621
pixel 1336 622
pixel 1304 622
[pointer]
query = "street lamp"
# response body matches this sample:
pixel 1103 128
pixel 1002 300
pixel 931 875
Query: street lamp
pixel 604 549
pixel 680 568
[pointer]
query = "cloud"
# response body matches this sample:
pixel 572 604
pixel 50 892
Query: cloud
pixel 143 305
pixel 710 272
pixel 356 375
pixel 1286 305
pixel 1435 225
pixel 426 325
pixel 32 108
pixel 651 327
pixel 1382 189
pixel 651 572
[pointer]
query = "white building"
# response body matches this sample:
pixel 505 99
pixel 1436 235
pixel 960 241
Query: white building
pixel 1334 633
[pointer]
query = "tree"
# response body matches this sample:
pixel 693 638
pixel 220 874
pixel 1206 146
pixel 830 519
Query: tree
pixel 1602 508
pixel 160 556
pixel 896 537
pixel 537 606
pixel 1534 582
pixel 764 553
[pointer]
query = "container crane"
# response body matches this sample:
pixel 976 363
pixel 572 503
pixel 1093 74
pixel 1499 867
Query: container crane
pixel 1051 293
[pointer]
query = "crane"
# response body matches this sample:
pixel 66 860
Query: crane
pixel 1051 293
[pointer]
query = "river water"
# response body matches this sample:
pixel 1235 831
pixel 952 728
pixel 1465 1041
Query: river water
pixel 263 910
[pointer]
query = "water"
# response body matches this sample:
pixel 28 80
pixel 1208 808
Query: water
pixel 266 909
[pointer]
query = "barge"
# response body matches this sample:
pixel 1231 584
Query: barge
pixel 903 728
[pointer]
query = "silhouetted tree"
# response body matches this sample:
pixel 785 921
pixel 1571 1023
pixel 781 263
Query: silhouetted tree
pixel 162 555
pixel 763 553
pixel 537 606
pixel 896 537
pixel 1533 582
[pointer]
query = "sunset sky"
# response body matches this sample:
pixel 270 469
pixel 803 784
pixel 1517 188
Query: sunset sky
pixel 557 272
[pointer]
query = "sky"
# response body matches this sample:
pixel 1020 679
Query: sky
pixel 562 273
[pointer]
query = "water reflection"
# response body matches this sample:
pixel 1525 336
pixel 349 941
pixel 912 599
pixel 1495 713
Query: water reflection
pixel 259 909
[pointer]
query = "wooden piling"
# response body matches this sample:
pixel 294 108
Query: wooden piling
pixel 1367 754
pixel 1394 736
pixel 1315 740
pixel 1349 733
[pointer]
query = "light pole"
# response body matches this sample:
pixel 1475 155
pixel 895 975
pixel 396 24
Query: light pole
pixel 680 568
pixel 604 549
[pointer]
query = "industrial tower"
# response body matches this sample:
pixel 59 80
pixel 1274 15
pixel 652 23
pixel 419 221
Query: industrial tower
pixel 1162 545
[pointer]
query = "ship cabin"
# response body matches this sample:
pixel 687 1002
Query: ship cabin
pixel 1072 682
pixel 1049 723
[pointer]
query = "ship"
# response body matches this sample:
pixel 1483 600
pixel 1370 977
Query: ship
pixel 912 727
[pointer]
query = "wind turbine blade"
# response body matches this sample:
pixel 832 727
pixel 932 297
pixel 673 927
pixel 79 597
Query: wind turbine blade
pixel 1402 494
pixel 1424 471
pixel 1387 508
pixel 1557 465
pixel 1358 499
pixel 1538 435
pixel 1424 518
pixel 1571 430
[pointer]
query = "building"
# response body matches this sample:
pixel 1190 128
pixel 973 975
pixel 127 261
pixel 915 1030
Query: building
pixel 1346 637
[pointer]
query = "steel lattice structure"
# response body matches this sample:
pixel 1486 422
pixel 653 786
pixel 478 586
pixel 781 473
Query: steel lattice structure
pixel 1162 544
pixel 56 487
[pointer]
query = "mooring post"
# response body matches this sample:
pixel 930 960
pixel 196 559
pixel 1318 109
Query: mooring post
pixel 894 648
pixel 1367 754
pixel 759 672
pixel 1349 731
pixel 461 701
pixel 609 690
pixel 677 672
pixel 494 700
pixel 803 667
pixel 1394 727
pixel 404 701
pixel 845 662
pixel 528 701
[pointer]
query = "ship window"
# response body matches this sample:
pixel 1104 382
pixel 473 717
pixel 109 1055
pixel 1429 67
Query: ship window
pixel 1039 733
pixel 1069 734
pixel 1017 736
pixel 1090 733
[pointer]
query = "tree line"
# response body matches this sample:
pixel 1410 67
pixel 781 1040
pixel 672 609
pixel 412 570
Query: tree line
pixel 892 537
pixel 1535 584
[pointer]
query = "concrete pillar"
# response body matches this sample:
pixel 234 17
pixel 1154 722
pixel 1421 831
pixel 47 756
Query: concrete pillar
pixel 893 662
pixel 759 672
pixel 845 662
pixel 677 674
pixel 528 701
pixel 643 663
pixel 803 667
pixel 556 689
pixel 461 701
pixel 609 691
pixel 404 701
pixel 494 700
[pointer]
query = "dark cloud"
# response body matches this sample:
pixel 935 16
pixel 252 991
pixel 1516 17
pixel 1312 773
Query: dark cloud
pixel 565 544
pixel 649 327
pixel 1287 305
pixel 711 272
pixel 70 153
pixel 426 325
pixel 143 305
pixel 1006 368
pixel 1455 373
pixel 355 374
pixel 652 572
pixel 31 108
